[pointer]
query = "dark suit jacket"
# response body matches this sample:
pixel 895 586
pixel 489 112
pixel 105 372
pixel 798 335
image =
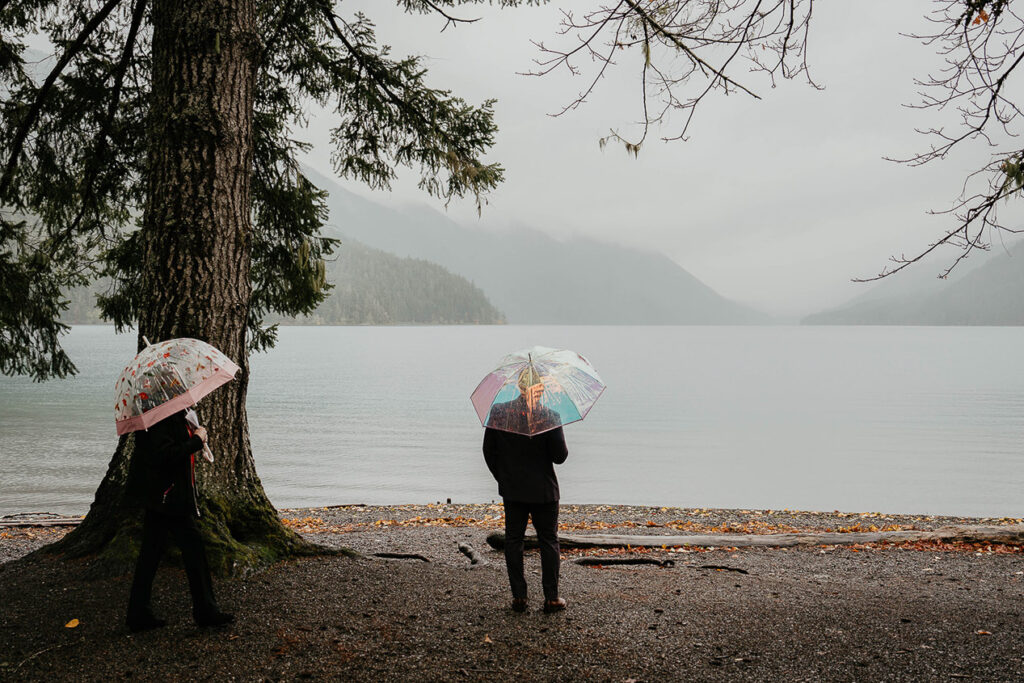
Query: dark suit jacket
pixel 160 476
pixel 523 466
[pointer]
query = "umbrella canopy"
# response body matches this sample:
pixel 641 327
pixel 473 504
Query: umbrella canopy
pixel 167 377
pixel 536 390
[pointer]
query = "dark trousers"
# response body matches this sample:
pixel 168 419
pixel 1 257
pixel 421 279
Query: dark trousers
pixel 155 530
pixel 545 523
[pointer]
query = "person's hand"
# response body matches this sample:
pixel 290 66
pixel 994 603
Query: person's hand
pixel 201 433
pixel 533 394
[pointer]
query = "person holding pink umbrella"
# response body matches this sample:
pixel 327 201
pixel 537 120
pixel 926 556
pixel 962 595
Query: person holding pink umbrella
pixel 152 396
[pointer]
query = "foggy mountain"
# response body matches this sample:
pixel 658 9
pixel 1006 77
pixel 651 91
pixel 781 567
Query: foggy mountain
pixel 987 294
pixel 534 278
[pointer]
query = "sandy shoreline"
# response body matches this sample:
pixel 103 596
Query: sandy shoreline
pixel 354 519
pixel 923 611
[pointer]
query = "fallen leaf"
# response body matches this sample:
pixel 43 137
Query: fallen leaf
pixel 983 633
pixel 487 639
pixel 71 624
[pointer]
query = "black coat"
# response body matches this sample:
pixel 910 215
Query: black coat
pixel 161 473
pixel 523 466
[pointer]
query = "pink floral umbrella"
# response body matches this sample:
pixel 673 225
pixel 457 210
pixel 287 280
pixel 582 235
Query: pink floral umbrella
pixel 167 377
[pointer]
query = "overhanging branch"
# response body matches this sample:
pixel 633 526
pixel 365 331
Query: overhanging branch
pixel 37 104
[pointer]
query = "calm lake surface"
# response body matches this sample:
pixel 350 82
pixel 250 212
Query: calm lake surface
pixel 894 419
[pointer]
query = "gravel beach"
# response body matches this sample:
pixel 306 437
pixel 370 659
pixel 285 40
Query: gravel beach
pixel 913 611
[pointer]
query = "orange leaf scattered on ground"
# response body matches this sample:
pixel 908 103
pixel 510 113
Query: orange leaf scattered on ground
pixel 981 632
pixel 71 624
pixel 758 524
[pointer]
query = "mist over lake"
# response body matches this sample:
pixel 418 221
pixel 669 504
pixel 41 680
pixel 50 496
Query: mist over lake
pixel 891 419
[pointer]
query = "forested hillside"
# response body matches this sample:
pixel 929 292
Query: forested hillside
pixel 371 287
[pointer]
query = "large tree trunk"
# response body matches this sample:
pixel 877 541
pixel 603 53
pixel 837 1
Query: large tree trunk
pixel 197 239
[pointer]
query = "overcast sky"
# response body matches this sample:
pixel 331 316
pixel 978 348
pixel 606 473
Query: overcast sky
pixel 776 203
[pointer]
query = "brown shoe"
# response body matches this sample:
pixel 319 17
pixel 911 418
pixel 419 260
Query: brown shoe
pixel 518 604
pixel 556 605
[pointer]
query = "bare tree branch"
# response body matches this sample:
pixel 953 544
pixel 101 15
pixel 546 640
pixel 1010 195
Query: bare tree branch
pixel 682 43
pixel 981 43
pixel 449 19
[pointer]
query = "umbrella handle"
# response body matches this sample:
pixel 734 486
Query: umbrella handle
pixel 193 419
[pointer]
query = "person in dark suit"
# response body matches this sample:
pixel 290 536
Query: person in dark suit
pixel 523 466
pixel 161 479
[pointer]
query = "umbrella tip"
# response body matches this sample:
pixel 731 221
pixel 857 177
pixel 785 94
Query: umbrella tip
pixel 146 339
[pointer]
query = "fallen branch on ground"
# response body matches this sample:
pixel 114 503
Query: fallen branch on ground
pixel 401 556
pixel 722 568
pixel 604 561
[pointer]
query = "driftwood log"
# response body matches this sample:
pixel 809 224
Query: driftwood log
pixel 39 522
pixel 972 534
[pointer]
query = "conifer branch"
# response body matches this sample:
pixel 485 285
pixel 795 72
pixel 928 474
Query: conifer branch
pixel 37 104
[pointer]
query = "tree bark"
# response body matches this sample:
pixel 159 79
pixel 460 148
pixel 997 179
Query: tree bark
pixel 196 236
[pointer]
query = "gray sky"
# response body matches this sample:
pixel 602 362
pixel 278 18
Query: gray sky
pixel 776 203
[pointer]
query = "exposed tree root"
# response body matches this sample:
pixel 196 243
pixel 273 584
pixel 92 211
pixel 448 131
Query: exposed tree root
pixel 470 552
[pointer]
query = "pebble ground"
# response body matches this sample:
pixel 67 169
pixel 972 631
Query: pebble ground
pixel 892 613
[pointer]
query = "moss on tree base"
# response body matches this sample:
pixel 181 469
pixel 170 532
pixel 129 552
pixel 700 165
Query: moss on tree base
pixel 239 539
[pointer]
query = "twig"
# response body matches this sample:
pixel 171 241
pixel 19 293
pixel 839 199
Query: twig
pixel 45 649
pixel 401 556
pixel 722 567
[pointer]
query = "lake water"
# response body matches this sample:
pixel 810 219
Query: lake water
pixel 893 419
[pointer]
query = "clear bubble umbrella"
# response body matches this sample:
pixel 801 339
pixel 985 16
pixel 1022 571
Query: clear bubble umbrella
pixel 165 378
pixel 536 390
